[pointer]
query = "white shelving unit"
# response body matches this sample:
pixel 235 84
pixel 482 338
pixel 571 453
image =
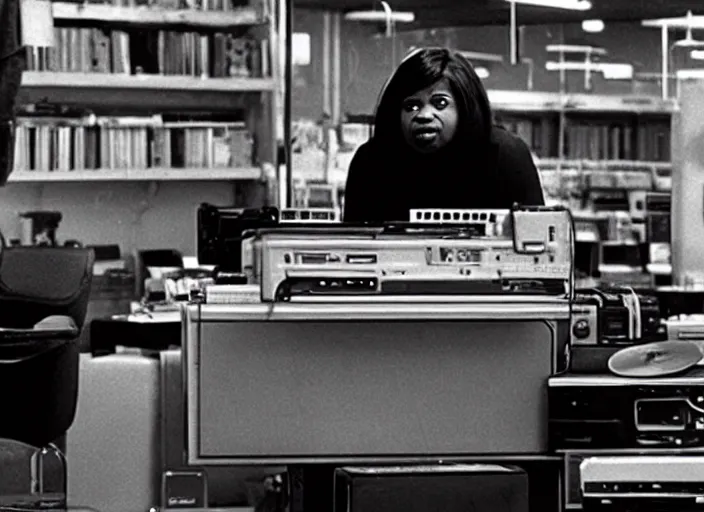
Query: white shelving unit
pixel 164 83
pixel 153 16
pixel 191 174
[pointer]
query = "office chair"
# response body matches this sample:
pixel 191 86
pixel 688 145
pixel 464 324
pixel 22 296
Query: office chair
pixel 44 294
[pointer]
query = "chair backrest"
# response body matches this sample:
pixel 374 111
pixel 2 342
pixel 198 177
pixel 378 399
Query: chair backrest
pixel 37 282
pixel 44 295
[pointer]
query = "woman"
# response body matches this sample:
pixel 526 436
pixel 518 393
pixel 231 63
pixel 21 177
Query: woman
pixel 434 146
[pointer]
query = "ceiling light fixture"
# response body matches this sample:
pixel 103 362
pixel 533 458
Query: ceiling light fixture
pixel 593 26
pixel 481 57
pixel 688 41
pixel 381 16
pixel 571 5
pixel 610 70
pixel 482 72
pixel 688 74
pixel 576 49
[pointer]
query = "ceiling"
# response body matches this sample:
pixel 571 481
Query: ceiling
pixel 442 13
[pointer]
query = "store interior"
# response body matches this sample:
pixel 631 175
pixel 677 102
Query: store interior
pixel 140 140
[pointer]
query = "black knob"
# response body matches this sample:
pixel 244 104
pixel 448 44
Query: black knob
pixel 581 329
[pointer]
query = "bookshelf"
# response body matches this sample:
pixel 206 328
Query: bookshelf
pixel 177 57
pixel 180 97
pixel 541 118
pixel 596 128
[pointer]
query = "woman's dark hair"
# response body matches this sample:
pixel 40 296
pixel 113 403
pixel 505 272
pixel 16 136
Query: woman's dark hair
pixel 423 68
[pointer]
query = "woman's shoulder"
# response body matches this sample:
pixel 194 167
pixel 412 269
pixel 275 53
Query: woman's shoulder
pixel 513 152
pixel 364 157
pixel 506 140
pixel 366 149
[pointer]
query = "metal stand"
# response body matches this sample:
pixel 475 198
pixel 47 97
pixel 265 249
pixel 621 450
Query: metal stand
pixel 43 487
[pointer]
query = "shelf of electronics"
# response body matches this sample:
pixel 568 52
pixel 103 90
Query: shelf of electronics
pixel 608 174
pixel 629 174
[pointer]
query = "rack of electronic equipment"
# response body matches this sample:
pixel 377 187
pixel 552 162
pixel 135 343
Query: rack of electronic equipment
pixel 625 399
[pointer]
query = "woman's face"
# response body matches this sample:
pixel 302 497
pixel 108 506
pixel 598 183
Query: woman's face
pixel 429 118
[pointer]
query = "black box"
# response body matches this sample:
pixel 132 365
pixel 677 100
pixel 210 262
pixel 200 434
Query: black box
pixel 431 488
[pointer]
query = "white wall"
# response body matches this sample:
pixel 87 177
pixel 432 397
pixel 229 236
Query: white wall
pixel 122 213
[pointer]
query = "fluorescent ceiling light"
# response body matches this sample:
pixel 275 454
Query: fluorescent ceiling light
pixel 482 72
pixel 381 16
pixel 300 49
pixel 688 41
pixel 593 26
pixel 575 48
pixel 571 5
pixel 681 23
pixel 684 74
pixel 481 57
pixel 611 71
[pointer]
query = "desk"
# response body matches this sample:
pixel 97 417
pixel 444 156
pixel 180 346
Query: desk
pixel 310 383
pixel 159 331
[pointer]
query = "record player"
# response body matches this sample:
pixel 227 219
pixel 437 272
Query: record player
pixel 653 398
pixel 643 483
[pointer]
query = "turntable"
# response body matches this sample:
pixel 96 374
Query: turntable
pixel 655 359
pixel 654 399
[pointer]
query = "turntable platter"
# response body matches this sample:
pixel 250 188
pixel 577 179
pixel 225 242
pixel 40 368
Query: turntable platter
pixel 655 359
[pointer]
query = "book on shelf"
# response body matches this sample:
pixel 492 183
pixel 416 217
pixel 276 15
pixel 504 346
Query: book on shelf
pixel 196 5
pixel 540 133
pixel 155 52
pixel 645 140
pixel 136 142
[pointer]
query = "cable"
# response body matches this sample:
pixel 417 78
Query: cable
pixel 636 313
pixel 571 285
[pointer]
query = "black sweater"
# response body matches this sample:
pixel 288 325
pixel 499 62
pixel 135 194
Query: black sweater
pixel 381 189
